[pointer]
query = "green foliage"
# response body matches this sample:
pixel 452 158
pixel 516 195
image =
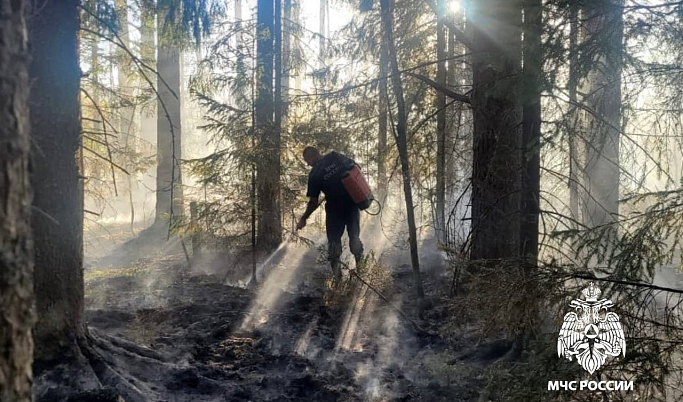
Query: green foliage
pixel 188 20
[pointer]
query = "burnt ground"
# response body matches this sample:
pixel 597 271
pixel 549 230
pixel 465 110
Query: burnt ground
pixel 289 338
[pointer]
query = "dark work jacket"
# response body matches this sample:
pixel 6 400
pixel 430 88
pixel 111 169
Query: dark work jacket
pixel 326 176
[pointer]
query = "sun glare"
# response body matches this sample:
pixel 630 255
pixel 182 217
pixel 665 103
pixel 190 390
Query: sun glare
pixel 454 6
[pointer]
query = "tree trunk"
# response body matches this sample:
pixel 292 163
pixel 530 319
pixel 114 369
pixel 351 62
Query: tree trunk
pixel 531 165
pixel 531 131
pixel 148 115
pixel 125 90
pixel 286 56
pixel 323 8
pixel 454 127
pixel 277 126
pixel 383 102
pixel 452 63
pixel 57 222
pixel 604 27
pixel 496 174
pixel 440 123
pixel 573 137
pixel 238 13
pixel 243 50
pixel 169 129
pixel 16 262
pixel 127 139
pixel 268 169
pixel 296 14
pixel 147 42
pixel 401 139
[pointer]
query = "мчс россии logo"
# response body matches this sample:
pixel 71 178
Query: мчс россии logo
pixel 591 332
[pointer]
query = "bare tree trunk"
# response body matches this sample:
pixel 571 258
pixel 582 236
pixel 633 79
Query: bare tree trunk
pixel 57 222
pixel 531 131
pixel 242 47
pixel 452 63
pixel 169 129
pixel 268 169
pixel 286 56
pixel 573 137
pixel 401 139
pixel 383 102
pixel 531 164
pixel 148 117
pixel 127 139
pixel 296 14
pixel 243 50
pixel 323 8
pixel 16 262
pixel 604 27
pixel 496 175
pixel 277 127
pixel 453 125
pixel 452 118
pixel 440 123
pixel 239 38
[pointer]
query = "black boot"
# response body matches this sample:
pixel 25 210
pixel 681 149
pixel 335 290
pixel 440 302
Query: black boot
pixel 360 263
pixel 336 271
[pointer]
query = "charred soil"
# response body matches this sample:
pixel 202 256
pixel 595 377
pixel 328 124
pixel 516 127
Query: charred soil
pixel 175 334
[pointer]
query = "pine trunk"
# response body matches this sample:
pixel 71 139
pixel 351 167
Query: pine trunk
pixel 286 55
pixel 383 102
pixel 268 169
pixel 573 136
pixel 531 131
pixel 296 17
pixel 453 125
pixel 440 123
pixel 497 116
pixel 323 8
pixel 16 262
pixel 127 139
pixel 604 26
pixel 169 129
pixel 57 222
pixel 148 115
pixel 277 126
pixel 387 12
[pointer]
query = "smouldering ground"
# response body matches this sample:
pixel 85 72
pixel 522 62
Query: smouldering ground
pixel 288 339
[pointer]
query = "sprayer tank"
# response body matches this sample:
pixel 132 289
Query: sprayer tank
pixel 358 188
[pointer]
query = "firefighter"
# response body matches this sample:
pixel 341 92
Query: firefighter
pixel 341 212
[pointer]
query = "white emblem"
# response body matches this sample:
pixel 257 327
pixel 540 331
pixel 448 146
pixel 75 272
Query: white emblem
pixel 591 333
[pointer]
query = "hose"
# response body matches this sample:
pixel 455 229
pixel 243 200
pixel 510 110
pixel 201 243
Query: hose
pixel 379 210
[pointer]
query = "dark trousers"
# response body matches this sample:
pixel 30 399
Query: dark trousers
pixel 340 218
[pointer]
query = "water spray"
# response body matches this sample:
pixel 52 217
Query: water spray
pixel 292 238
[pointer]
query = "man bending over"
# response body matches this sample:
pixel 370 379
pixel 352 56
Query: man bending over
pixel 326 175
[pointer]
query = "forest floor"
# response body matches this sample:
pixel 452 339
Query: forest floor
pixel 290 338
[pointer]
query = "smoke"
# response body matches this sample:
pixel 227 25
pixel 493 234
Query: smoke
pixel 386 341
pixel 347 340
pixel 282 270
pixel 303 346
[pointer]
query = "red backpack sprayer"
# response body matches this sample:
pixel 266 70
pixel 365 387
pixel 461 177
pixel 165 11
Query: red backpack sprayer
pixel 358 188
